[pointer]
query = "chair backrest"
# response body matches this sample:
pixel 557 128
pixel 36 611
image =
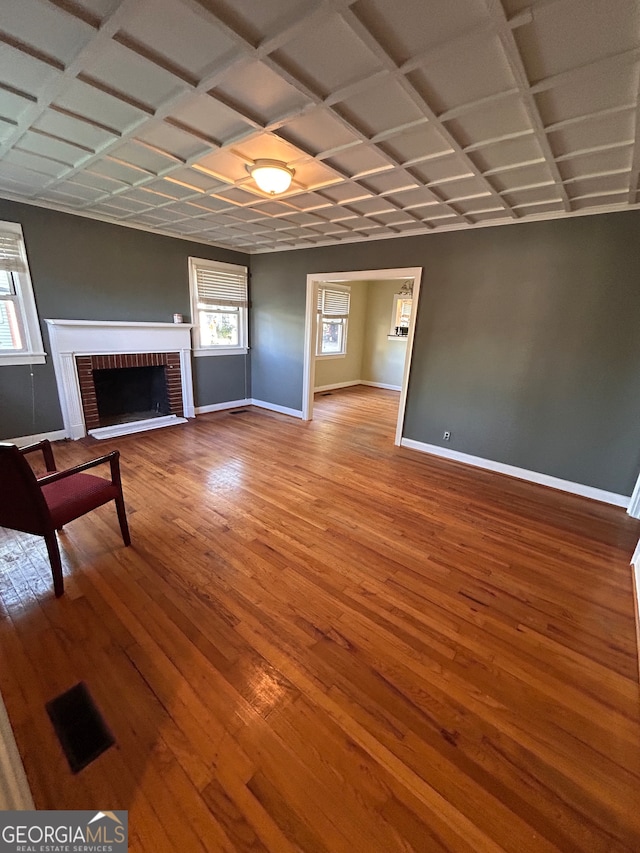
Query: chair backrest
pixel 22 504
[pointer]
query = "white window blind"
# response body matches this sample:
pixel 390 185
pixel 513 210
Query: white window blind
pixel 221 286
pixel 11 259
pixel 333 303
pixel 20 338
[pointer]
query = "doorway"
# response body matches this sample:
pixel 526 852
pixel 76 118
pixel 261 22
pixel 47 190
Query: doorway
pixel 314 281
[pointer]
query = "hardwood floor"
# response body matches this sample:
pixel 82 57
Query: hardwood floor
pixel 321 642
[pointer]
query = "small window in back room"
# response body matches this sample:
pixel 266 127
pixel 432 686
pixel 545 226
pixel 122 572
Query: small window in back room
pixel 333 316
pixel 219 307
pixel 20 338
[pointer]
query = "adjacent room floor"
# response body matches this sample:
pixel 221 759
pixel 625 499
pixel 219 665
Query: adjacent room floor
pixel 321 642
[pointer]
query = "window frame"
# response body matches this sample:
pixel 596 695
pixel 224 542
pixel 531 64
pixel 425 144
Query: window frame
pixel 321 318
pixel 32 351
pixel 200 349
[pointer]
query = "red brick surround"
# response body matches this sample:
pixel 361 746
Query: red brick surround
pixel 86 364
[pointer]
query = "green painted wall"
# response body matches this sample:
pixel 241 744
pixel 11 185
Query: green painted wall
pixel 87 270
pixel 527 345
pixel 382 359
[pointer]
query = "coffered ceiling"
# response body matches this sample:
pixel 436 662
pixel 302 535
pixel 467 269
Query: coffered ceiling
pixel 398 116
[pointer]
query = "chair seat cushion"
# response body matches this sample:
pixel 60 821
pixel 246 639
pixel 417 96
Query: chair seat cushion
pixel 75 495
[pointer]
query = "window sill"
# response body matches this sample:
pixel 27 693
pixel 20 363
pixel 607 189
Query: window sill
pixel 397 337
pixel 328 355
pixel 23 358
pixel 200 353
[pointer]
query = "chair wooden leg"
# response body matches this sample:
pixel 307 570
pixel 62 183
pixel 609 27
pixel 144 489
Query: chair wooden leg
pixel 122 518
pixel 56 563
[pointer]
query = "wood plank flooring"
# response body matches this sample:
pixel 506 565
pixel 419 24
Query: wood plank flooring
pixel 321 642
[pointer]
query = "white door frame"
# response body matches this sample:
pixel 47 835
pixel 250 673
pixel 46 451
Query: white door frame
pixel 310 331
pixel 634 501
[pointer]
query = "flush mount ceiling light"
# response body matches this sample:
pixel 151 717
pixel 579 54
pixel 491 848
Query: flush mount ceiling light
pixel 271 176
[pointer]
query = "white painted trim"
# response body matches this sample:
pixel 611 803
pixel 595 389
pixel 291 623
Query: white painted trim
pixel 381 385
pixel 272 407
pixel 350 384
pixel 337 385
pixel 56 435
pixel 635 577
pixel 135 426
pixel 520 473
pixel 70 338
pixel 313 280
pixel 14 788
pixel 634 501
pixel 23 358
pixel 219 407
pixel 424 232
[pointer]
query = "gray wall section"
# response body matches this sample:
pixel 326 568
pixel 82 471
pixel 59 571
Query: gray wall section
pixel 83 269
pixel 526 347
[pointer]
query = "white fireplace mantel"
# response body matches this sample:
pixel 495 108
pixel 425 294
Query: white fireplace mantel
pixel 70 338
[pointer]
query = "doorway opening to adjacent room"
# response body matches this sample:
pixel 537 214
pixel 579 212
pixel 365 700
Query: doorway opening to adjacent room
pixel 327 310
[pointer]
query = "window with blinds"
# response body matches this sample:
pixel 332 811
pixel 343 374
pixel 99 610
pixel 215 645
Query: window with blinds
pixel 20 338
pixel 219 301
pixel 333 315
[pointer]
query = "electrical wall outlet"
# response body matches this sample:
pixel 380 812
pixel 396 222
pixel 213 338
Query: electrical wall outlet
pixel 447 435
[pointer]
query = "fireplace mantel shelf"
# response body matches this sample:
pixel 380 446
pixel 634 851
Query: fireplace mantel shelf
pixel 120 324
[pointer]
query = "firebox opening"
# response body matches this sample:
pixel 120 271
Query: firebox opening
pixel 127 394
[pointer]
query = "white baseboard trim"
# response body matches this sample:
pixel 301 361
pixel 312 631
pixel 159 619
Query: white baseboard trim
pixel 56 435
pixel 220 407
pixel 381 385
pixel 520 473
pixel 635 576
pixel 272 407
pixel 337 385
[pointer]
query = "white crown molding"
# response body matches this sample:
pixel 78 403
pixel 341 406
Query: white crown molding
pixel 417 232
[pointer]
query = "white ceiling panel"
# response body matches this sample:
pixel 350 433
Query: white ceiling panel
pixel 35 163
pixel 410 27
pixel 573 33
pixel 49 146
pixel 41 25
pixel 446 82
pixel 23 72
pixel 209 117
pixel 615 129
pixel 189 40
pixel 259 92
pixel 363 109
pixel 101 108
pixel 328 56
pixel 70 129
pixel 173 140
pixel 125 71
pixel 396 117
pixel 586 92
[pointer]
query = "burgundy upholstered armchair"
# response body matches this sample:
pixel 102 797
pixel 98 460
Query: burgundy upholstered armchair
pixel 44 504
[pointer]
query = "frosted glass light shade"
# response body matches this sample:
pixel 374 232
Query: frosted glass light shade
pixel 271 176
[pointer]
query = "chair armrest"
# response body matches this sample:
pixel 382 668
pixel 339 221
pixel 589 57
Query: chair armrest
pixel 112 458
pixel 47 452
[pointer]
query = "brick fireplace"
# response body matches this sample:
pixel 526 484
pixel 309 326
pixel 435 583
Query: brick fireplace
pixel 87 364
pixel 81 347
